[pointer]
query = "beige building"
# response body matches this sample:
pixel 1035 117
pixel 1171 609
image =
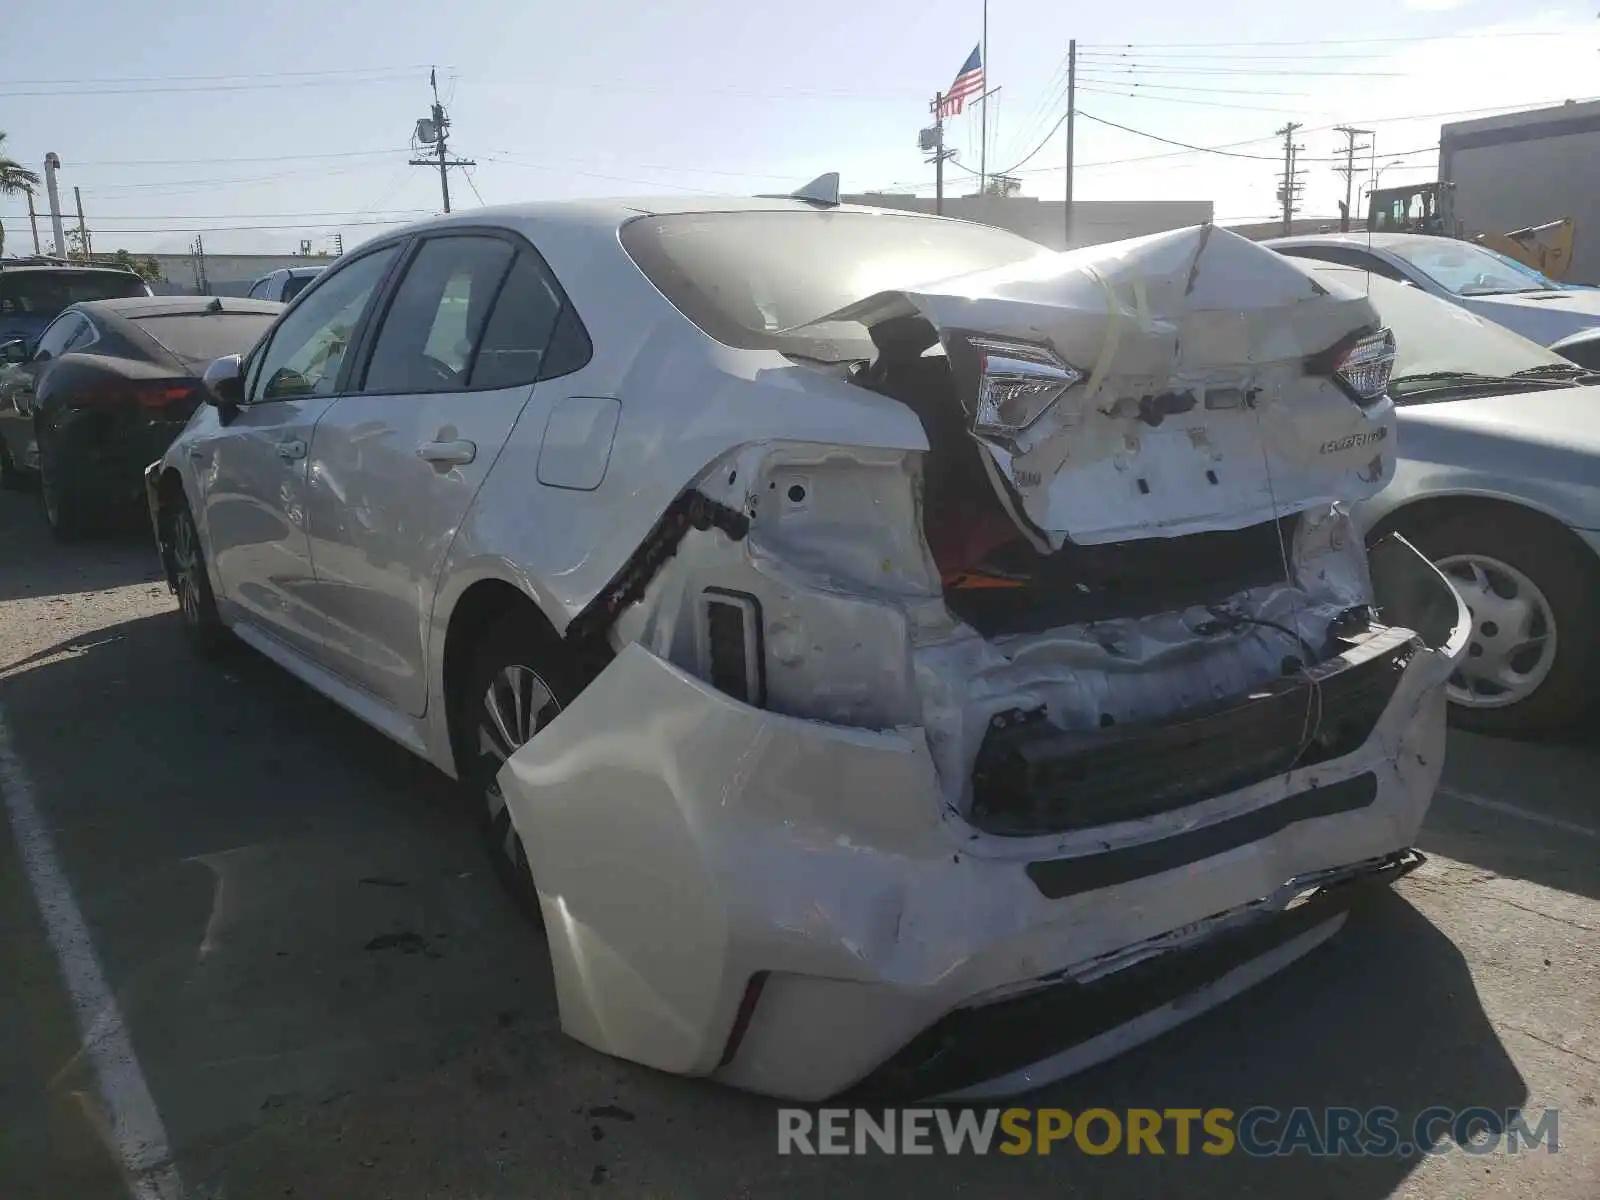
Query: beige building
pixel 1044 221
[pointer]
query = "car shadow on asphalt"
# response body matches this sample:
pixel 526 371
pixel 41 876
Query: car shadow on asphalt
pixel 35 566
pixel 1524 808
pixel 236 763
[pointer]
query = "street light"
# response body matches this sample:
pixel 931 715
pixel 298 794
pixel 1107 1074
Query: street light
pixel 1377 175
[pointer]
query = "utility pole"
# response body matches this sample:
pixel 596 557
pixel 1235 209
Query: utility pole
pixel 83 229
pixel 435 132
pixel 201 283
pixel 1072 112
pixel 931 140
pixel 33 221
pixel 52 164
pixel 1290 185
pixel 1349 169
pixel 338 245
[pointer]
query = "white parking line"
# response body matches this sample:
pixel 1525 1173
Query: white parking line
pixel 136 1130
pixel 1511 810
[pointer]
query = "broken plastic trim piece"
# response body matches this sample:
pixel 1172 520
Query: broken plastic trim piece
pixel 692 509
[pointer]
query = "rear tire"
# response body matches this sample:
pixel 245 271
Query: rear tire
pixel 1535 641
pixel 197 604
pixel 522 677
pixel 68 512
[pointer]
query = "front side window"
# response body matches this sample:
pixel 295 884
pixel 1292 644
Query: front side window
pixel 432 328
pixel 307 349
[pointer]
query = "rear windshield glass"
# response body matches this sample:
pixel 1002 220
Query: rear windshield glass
pixel 203 336
pixel 46 293
pixel 744 276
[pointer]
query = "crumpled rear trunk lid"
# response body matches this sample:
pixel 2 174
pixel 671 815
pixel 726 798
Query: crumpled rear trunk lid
pixel 1203 390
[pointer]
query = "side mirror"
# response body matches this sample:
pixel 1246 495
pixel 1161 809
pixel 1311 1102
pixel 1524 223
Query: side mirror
pixel 14 351
pixel 224 380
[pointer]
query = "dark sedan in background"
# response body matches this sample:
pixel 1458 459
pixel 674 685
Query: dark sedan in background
pixel 105 389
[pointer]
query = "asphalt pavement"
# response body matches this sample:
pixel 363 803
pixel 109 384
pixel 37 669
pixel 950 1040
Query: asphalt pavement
pixel 298 968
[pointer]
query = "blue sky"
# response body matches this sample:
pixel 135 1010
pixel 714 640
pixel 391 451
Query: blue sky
pixel 220 115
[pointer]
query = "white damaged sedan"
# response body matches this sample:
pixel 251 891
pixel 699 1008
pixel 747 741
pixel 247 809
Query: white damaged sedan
pixel 897 659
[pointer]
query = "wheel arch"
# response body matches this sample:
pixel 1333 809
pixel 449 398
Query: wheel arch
pixel 482 604
pixel 1427 509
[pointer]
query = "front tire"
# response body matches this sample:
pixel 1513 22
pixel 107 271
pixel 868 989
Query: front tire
pixel 522 677
pixel 197 603
pixel 1535 641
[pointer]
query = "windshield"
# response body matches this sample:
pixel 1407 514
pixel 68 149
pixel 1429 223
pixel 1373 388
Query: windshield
pixel 201 337
pixel 46 293
pixel 1434 335
pixel 743 276
pixel 1466 269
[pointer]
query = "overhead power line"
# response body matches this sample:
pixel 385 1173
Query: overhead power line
pixel 1339 41
pixel 1190 146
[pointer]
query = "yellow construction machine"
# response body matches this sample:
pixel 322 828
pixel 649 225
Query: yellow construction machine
pixel 1430 208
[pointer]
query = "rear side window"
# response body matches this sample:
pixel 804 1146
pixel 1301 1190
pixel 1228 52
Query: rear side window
pixel 294 285
pixel 45 293
pixel 433 325
pixel 201 337
pixel 518 336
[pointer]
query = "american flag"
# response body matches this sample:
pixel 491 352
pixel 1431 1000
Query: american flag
pixel 969 82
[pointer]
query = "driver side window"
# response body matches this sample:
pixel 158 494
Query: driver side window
pixel 308 347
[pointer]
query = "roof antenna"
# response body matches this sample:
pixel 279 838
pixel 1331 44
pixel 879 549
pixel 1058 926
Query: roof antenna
pixel 824 190
pixel 215 306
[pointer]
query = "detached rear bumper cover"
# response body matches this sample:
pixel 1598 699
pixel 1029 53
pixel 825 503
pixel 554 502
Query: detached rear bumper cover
pixel 686 845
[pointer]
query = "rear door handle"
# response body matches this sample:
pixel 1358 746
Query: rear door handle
pixel 447 454
pixel 292 449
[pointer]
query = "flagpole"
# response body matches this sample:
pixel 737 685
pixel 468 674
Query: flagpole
pixel 983 106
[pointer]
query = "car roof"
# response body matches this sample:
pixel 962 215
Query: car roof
pixel 297 271
pixel 19 268
pixel 1359 241
pixel 604 216
pixel 175 306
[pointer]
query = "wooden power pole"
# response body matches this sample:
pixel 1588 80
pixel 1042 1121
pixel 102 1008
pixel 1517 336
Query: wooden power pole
pixel 435 132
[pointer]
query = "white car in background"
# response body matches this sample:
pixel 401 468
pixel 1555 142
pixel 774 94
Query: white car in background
pixel 1470 276
pixel 894 657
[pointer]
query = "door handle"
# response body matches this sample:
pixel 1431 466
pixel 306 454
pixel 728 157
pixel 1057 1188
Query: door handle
pixel 447 454
pixel 292 449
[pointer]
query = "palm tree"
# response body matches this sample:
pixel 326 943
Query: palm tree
pixel 14 178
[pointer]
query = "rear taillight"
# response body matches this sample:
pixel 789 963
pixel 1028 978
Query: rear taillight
pixel 155 396
pixel 1018 382
pixel 161 396
pixel 1360 365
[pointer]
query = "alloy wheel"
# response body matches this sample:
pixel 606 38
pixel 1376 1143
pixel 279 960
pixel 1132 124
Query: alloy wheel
pixel 517 704
pixel 186 560
pixel 1513 643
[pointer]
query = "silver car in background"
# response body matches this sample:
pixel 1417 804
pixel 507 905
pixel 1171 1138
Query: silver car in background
pixel 1472 277
pixel 1499 482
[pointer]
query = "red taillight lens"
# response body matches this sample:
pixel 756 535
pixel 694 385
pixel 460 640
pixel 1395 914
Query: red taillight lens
pixel 161 396
pixel 154 396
